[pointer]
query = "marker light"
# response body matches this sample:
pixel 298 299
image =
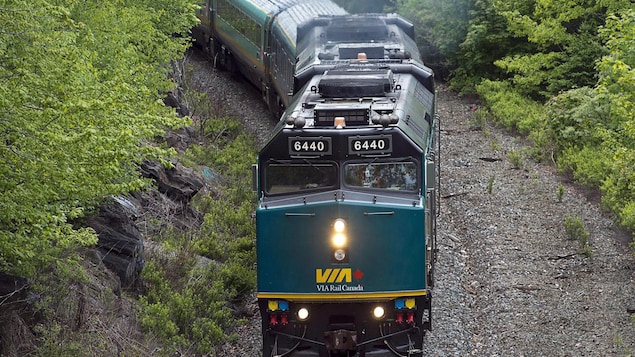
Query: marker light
pixel 378 312
pixel 339 122
pixel 272 305
pixel 411 318
pixel 303 313
pixel 283 305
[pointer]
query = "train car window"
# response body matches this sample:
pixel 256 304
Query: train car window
pixel 240 21
pixel 399 176
pixel 299 176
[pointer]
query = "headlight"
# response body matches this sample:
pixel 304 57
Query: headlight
pixel 339 240
pixel 339 233
pixel 303 313
pixel 379 312
pixel 339 226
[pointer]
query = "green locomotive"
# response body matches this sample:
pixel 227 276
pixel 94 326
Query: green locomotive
pixel 346 215
pixel 348 183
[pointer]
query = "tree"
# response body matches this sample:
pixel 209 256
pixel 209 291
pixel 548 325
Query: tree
pixel 487 40
pixel 441 26
pixel 81 84
pixel 564 39
pixel 617 87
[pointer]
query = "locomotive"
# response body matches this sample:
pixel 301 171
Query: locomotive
pixel 348 183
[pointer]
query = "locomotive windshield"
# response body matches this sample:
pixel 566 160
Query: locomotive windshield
pixel 296 176
pixel 398 176
pixel 288 177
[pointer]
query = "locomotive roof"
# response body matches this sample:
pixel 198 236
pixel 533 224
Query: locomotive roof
pixel 367 95
pixel 341 38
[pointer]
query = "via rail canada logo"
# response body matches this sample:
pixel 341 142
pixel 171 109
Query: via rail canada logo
pixel 338 280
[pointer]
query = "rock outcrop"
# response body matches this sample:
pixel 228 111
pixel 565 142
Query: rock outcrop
pixel 123 220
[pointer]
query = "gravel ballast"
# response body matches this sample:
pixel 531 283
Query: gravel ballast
pixel 509 280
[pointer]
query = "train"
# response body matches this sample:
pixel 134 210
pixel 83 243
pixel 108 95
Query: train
pixel 348 183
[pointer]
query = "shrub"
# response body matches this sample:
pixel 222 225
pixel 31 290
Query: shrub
pixel 515 157
pixel 576 231
pixel 560 192
pixel 511 109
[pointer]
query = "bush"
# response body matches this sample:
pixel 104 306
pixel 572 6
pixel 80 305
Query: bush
pixel 510 109
pixel 576 231
pixel 573 116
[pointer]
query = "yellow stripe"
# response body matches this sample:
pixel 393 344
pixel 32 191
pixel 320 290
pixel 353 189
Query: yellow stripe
pixel 342 296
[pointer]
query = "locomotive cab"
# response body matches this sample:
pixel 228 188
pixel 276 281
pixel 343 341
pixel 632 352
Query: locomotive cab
pixel 345 216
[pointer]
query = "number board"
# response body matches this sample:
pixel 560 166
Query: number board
pixel 310 146
pixel 370 144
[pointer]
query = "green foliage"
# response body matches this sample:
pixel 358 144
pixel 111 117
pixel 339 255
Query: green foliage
pixel 188 304
pixel 574 115
pixel 560 192
pixel 617 87
pixel 515 157
pixel 441 26
pixel 228 148
pixel 576 231
pixel 510 108
pixel 194 282
pixel 588 165
pixel 188 299
pixel 191 311
pixel 486 41
pixel 574 227
pixel 80 94
pixel 490 184
pixel 619 187
pixel 565 45
pixel 596 128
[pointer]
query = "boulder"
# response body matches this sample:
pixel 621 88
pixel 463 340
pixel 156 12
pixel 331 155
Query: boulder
pixel 178 183
pixel 120 241
pixel 120 218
